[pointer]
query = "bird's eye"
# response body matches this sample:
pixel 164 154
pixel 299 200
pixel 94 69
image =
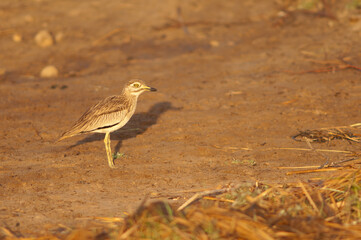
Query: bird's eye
pixel 136 85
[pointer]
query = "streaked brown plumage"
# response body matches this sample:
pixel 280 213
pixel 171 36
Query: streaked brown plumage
pixel 109 115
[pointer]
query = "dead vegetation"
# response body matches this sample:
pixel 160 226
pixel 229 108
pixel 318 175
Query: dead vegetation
pixel 321 209
pixel 329 134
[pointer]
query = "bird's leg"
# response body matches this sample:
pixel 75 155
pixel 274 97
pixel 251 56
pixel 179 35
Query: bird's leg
pixel 108 150
pixel 110 153
pixel 106 146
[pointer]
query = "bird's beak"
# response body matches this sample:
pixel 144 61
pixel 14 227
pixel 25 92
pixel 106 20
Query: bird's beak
pixel 150 89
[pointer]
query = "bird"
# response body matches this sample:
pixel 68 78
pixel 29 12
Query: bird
pixel 109 115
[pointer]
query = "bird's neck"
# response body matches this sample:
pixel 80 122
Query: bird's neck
pixel 128 95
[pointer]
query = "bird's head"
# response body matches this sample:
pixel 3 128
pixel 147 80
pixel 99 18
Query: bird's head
pixel 136 87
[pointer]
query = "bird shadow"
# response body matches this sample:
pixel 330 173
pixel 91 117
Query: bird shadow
pixel 138 124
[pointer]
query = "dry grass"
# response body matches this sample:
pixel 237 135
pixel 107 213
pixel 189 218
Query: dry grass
pixel 326 135
pixel 328 209
pixel 323 209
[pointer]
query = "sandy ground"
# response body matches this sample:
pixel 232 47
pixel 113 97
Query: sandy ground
pixel 233 85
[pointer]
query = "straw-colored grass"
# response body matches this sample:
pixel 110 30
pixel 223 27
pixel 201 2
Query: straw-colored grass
pixel 322 209
pixel 327 209
pixel 326 135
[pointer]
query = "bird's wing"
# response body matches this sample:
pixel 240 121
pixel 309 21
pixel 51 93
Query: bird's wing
pixel 107 112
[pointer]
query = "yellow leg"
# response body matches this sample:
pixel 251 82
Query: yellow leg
pixel 109 150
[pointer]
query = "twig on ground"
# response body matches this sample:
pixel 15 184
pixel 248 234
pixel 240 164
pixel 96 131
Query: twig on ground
pixel 314 170
pixel 197 196
pixel 106 36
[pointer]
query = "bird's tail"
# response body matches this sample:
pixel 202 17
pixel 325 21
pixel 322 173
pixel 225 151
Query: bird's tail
pixel 65 135
pixel 61 138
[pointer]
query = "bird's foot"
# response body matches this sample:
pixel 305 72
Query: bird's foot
pixel 113 157
pixel 111 163
pixel 112 166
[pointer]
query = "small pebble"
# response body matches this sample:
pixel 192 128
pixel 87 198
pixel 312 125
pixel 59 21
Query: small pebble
pixel 281 14
pixel 44 39
pixel 49 72
pixel 214 43
pixel 17 38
